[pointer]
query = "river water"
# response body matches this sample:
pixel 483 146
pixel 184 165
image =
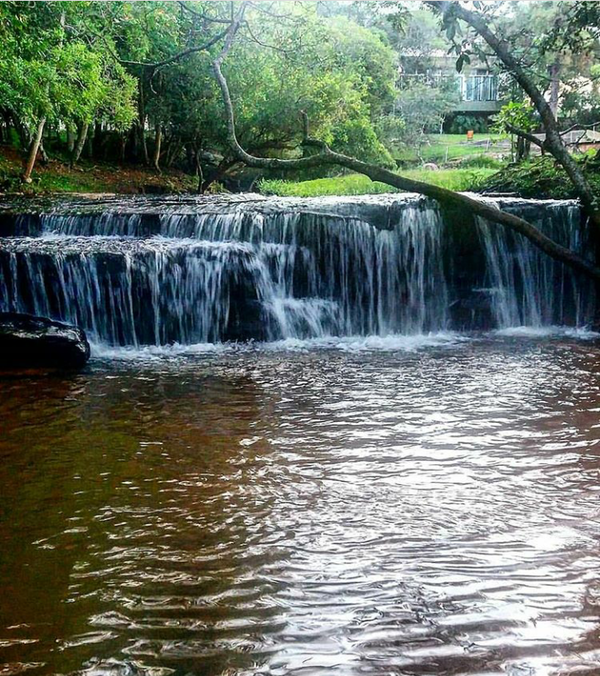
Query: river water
pixel 376 506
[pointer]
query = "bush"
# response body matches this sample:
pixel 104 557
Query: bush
pixel 542 178
pixel 461 124
pixel 482 161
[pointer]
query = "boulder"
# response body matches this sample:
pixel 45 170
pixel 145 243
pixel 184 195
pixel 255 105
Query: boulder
pixel 26 340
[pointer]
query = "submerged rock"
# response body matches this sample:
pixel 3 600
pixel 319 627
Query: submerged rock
pixel 26 340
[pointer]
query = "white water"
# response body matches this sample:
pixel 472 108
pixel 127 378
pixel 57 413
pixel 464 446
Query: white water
pixel 334 272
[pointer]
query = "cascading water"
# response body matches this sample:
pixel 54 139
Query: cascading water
pixel 527 287
pixel 200 270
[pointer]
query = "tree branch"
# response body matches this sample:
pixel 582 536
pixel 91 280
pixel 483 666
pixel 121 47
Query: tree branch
pixel 201 15
pixel 554 144
pixel 526 135
pixel 326 156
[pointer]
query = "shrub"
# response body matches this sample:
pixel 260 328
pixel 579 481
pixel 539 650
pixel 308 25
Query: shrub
pixel 482 161
pixel 461 124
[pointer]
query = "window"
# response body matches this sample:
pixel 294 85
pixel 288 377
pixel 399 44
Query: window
pixel 480 88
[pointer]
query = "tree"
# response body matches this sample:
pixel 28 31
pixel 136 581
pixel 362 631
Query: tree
pixel 482 23
pixel 326 156
pixel 53 71
pixel 423 107
pixel 287 57
pixel 519 119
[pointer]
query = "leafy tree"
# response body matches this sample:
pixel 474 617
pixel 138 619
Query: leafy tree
pixel 481 21
pixel 325 156
pixel 424 107
pixel 51 71
pixel 518 118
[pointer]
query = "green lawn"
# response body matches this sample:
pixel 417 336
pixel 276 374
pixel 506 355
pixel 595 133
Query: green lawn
pixel 441 148
pixel 357 184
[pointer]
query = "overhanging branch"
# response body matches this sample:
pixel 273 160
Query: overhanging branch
pixel 326 156
pixel 526 135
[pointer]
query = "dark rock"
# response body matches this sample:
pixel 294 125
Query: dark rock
pixel 473 311
pixel 26 340
pixel 20 225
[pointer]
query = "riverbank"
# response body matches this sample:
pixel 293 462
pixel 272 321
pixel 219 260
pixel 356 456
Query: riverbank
pixel 542 178
pixel 89 177
pixel 539 178
pixel 356 184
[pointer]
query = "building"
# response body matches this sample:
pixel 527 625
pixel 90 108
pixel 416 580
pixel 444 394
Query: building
pixel 476 86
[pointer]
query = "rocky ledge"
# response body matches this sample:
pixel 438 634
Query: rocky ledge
pixel 28 341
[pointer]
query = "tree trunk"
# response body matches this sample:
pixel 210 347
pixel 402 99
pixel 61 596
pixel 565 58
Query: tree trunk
pixel 133 139
pixel 97 139
pixel 175 150
pixel 123 139
pixel 8 123
pixel 81 138
pixel 44 159
pixel 33 151
pixel 24 134
pixel 200 175
pixel 554 86
pixel 89 142
pixel 142 123
pixel 523 149
pixel 71 138
pixel 554 143
pixel 157 145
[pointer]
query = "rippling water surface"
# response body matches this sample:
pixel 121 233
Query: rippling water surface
pixel 317 511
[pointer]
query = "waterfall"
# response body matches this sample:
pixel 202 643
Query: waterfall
pixel 527 287
pixel 148 271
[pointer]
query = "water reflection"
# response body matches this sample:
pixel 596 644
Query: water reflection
pixel 423 513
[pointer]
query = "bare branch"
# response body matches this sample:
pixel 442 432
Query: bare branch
pixel 526 135
pixel 201 15
pixel 188 52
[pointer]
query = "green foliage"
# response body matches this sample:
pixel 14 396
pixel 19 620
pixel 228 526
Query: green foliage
pixel 339 73
pixel 461 124
pixel 518 115
pixel 49 68
pixel 482 162
pixel 423 108
pixel 542 178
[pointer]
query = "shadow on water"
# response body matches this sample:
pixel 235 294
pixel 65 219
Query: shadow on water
pixel 115 488
pixel 431 512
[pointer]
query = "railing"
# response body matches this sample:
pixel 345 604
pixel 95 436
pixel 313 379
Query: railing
pixel 470 87
pixel 479 87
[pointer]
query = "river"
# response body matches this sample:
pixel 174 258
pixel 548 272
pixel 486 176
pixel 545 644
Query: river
pixel 397 505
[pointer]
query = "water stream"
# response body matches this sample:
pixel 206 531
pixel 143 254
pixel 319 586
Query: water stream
pixel 152 272
pixel 401 475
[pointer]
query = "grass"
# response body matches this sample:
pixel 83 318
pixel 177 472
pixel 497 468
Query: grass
pixel 357 184
pixel 442 148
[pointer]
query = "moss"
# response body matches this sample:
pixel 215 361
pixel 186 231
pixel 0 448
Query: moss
pixel 542 178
